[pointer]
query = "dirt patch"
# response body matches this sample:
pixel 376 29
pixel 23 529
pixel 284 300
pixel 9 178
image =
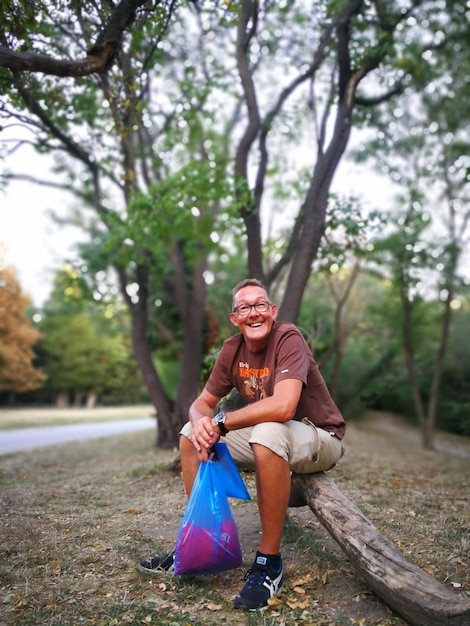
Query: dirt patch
pixel 76 518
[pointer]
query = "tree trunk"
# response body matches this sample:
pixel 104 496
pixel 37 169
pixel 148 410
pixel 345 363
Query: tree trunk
pixel 315 206
pixel 405 588
pixel 78 399
pixel 91 400
pixel 429 427
pixel 167 436
pixel 341 326
pixel 62 400
pixel 192 315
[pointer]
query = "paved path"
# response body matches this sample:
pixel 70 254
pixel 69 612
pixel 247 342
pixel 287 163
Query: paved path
pixel 28 438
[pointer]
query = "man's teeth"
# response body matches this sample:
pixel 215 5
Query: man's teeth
pixel 256 325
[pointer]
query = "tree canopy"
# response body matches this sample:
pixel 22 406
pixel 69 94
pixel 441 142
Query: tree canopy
pixel 85 348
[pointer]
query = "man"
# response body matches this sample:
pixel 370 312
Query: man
pixel 289 424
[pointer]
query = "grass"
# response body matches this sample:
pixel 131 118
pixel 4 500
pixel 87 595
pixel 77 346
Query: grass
pixel 75 519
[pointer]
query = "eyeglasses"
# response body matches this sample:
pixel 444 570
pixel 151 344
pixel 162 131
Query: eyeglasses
pixel 245 309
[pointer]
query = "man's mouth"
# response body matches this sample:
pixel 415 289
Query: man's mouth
pixel 255 325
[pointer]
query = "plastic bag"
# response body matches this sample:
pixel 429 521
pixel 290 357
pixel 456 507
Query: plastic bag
pixel 230 476
pixel 208 539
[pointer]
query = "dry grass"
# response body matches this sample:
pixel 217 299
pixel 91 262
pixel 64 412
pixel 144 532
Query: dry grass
pixel 76 518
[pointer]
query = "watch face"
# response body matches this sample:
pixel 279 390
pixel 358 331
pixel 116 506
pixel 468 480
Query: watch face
pixel 220 421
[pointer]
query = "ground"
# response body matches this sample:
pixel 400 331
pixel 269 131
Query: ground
pixel 76 518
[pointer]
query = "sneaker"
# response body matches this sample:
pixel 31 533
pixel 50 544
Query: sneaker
pixel 263 583
pixel 158 564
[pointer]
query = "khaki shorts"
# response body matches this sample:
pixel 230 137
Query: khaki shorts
pixel 307 448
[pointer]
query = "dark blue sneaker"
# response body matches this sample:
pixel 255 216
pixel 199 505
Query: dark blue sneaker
pixel 158 564
pixel 263 582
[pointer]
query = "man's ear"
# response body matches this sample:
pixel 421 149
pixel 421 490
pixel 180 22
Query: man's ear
pixel 275 310
pixel 234 319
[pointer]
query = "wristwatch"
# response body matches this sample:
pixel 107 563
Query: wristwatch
pixel 219 420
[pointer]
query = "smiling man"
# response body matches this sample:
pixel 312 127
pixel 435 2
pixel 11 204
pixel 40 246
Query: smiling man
pixel 290 424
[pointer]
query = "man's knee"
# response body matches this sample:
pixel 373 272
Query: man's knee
pixel 185 442
pixel 273 436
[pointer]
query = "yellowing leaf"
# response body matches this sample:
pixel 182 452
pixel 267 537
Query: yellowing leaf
pixel 214 607
pixel 299 590
pixel 274 603
pixel 326 576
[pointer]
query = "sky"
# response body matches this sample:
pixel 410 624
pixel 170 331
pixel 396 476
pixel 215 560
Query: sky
pixel 30 241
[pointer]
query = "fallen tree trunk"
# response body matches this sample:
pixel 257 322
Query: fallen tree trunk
pixel 408 590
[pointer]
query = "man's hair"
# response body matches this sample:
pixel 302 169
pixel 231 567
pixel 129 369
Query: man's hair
pixel 248 282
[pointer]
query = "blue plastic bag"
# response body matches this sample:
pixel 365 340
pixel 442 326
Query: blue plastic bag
pixel 208 539
pixel 230 476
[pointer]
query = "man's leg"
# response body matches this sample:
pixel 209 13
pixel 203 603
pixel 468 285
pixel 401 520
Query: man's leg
pixel 189 463
pixel 273 489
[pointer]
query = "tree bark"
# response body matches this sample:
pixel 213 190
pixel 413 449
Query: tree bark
pixel 405 588
pixel 192 316
pixel 166 433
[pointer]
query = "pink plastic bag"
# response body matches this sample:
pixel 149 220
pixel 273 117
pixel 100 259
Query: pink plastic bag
pixel 208 538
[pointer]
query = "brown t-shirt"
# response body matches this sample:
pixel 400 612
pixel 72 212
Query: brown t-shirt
pixel 254 375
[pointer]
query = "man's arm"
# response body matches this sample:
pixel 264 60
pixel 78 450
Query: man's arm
pixel 280 407
pixel 205 433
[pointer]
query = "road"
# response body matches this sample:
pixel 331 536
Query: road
pixel 38 437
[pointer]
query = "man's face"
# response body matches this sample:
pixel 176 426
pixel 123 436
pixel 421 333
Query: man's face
pixel 254 325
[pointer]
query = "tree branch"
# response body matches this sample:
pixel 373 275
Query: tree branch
pixel 99 58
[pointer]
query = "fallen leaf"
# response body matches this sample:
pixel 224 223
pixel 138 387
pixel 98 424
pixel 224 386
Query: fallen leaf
pixel 274 603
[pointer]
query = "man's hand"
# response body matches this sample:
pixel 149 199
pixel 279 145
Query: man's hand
pixel 205 434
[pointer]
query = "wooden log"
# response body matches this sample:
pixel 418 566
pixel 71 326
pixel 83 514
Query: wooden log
pixel 412 593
